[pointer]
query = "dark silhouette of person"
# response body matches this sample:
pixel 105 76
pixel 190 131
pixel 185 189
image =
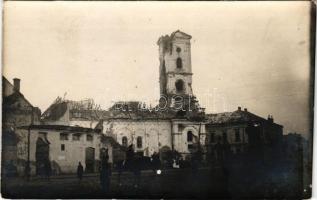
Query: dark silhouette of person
pixel 196 160
pixel 156 162
pixel 136 169
pixel 80 171
pixel 27 171
pixel 105 173
pixel 130 157
pixel 48 169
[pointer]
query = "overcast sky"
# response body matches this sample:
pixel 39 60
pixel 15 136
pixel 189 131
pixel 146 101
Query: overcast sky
pixel 249 54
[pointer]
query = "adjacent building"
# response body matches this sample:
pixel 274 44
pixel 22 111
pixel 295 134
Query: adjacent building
pixel 62 148
pixel 242 131
pixel 16 111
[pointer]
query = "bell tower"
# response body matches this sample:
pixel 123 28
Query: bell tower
pixel 175 65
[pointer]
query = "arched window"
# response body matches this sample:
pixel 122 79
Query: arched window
pixel 139 142
pixel 125 141
pixel 189 136
pixel 179 86
pixel 179 63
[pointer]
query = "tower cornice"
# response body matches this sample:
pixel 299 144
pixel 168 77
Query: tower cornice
pixel 181 73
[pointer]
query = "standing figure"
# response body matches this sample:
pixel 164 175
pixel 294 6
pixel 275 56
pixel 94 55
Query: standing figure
pixel 80 171
pixel 105 173
pixel 136 169
pixel 48 169
pixel 27 171
pixel 130 158
pixel 156 162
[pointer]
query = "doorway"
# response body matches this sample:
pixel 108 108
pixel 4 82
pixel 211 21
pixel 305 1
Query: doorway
pixel 90 159
pixel 42 156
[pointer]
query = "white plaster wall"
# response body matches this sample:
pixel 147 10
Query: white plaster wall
pixel 67 160
pixel 82 123
pixel 155 133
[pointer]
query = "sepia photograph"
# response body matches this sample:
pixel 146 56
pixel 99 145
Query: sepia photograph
pixel 154 99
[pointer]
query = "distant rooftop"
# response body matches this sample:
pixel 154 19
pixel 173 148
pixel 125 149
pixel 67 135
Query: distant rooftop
pixel 235 117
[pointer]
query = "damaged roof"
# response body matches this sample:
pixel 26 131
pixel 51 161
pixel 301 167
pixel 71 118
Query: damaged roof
pixel 120 110
pixel 175 34
pixel 136 110
pixel 237 116
pixel 60 128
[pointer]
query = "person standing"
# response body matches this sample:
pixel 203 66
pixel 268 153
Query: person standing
pixel 48 169
pixel 105 174
pixel 80 171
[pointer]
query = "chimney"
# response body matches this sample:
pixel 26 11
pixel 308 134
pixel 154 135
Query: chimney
pixel 270 118
pixel 239 108
pixel 16 85
pixel 245 110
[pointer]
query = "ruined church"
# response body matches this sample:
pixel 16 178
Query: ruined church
pixel 69 131
pixel 175 124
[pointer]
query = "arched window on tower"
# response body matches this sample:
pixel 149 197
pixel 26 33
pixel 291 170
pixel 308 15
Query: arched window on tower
pixel 125 141
pixel 179 63
pixel 179 86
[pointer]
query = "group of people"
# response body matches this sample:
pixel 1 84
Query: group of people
pixel 132 163
pixel 105 173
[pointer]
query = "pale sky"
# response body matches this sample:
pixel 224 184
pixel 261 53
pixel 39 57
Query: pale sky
pixel 249 54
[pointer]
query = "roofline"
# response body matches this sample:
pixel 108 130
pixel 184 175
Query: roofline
pixel 239 122
pixel 138 119
pixel 60 128
pixel 6 79
pixel 18 93
pixel 178 31
pixel 262 118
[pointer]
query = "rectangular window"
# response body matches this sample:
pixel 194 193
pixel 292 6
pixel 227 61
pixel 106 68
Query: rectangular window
pixel 180 127
pixel 89 137
pixel 62 147
pixel 76 137
pixel 63 136
pixel 237 135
